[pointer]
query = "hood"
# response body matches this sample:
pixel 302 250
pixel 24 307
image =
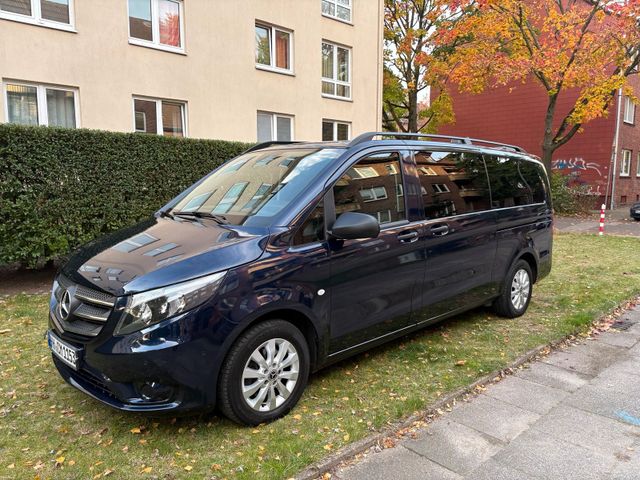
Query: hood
pixel 163 251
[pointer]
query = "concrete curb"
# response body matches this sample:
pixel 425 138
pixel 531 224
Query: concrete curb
pixel 334 460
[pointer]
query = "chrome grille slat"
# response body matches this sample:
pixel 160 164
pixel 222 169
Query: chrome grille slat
pixel 92 313
pixel 95 297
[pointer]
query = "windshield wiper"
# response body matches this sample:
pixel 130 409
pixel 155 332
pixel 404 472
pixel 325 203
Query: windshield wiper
pixel 220 219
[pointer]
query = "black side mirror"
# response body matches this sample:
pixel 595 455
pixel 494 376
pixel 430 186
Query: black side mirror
pixel 352 225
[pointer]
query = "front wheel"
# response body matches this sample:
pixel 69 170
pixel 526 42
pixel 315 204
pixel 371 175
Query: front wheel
pixel 516 292
pixel 264 373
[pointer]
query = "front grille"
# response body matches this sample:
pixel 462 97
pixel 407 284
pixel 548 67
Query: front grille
pixel 89 309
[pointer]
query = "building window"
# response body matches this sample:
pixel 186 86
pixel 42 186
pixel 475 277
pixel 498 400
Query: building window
pixel 335 131
pixel 274 127
pixel 273 48
pixel 48 13
pixel 336 71
pixel 156 23
pixel 638 166
pixel 629 110
pixel 625 166
pixel 339 9
pixel 33 104
pixel 159 117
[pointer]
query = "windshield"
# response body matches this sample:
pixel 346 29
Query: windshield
pixel 257 185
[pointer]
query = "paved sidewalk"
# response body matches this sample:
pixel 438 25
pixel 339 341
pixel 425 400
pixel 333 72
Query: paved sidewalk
pixel 573 415
pixel 617 222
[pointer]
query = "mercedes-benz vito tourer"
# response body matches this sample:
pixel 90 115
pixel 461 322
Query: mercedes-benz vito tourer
pixel 291 257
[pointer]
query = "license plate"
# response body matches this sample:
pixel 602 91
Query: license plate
pixel 65 352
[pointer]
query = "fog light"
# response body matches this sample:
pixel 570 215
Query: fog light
pixel 155 392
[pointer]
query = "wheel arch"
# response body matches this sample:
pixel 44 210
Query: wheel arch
pixel 531 259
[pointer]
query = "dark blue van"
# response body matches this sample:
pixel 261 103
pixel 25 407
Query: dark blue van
pixel 291 257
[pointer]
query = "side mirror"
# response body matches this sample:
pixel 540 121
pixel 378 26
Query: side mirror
pixel 352 225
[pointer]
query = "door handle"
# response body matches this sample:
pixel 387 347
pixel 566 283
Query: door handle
pixel 439 230
pixel 408 237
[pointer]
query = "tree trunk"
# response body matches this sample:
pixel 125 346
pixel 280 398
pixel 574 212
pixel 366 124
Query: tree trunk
pixel 413 111
pixel 547 154
pixel 547 142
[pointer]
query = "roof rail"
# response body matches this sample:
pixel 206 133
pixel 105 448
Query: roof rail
pixel 259 146
pixel 365 137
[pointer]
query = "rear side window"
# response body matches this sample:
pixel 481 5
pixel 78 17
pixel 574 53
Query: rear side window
pixel 373 186
pixel 533 174
pixel 452 183
pixel 508 187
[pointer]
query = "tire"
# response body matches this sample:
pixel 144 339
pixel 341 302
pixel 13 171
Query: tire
pixel 516 291
pixel 269 390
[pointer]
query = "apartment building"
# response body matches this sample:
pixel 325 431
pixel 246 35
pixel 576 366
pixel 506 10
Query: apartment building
pixel 604 156
pixel 251 70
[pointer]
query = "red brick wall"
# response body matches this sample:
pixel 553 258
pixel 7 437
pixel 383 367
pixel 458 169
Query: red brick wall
pixel 515 115
pixel 627 189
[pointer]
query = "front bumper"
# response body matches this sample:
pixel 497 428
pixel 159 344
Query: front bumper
pixel 171 366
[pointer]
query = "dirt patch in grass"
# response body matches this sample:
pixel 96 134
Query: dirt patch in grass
pixel 49 429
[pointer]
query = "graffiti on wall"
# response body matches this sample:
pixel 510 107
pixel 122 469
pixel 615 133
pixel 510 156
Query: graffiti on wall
pixel 576 165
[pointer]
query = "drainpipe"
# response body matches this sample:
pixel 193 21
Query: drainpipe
pixel 614 154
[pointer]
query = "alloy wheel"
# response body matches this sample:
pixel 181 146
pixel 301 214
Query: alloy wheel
pixel 270 375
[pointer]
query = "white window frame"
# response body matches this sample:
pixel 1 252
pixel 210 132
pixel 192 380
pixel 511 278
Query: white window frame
pixel 274 123
pixel 155 30
pixel 335 80
pixel 374 196
pixel 625 165
pixel 41 97
pixel 159 125
pixel 638 165
pixel 36 17
pixel 438 187
pixel 335 6
pixel 335 124
pixel 272 46
pixel 629 110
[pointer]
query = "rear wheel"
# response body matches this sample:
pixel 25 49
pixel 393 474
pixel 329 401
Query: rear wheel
pixel 264 373
pixel 516 292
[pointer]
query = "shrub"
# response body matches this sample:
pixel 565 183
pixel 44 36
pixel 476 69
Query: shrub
pixel 60 188
pixel 570 199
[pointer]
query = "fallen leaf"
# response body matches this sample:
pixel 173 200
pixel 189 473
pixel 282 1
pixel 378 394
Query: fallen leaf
pixel 147 470
pixel 136 430
pixel 461 363
pixel 188 468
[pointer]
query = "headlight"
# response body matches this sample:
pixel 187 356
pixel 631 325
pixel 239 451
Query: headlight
pixel 148 308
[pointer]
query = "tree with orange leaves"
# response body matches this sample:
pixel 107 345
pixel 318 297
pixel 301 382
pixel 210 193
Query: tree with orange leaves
pixel 587 47
pixel 410 30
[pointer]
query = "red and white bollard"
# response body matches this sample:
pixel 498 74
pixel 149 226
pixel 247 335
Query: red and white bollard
pixel 601 229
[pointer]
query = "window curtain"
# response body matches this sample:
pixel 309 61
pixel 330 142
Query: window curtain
pixel 22 7
pixel 61 108
pixel 22 104
pixel 264 127
pixel 172 119
pixel 55 10
pixel 282 49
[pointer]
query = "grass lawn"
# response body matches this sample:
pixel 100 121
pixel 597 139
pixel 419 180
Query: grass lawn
pixel 50 430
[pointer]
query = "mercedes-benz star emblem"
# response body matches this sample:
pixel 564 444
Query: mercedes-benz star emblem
pixel 65 305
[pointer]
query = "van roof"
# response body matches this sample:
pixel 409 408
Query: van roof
pixel 407 139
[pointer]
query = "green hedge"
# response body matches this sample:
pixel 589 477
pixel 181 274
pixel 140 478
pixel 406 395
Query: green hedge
pixel 60 188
